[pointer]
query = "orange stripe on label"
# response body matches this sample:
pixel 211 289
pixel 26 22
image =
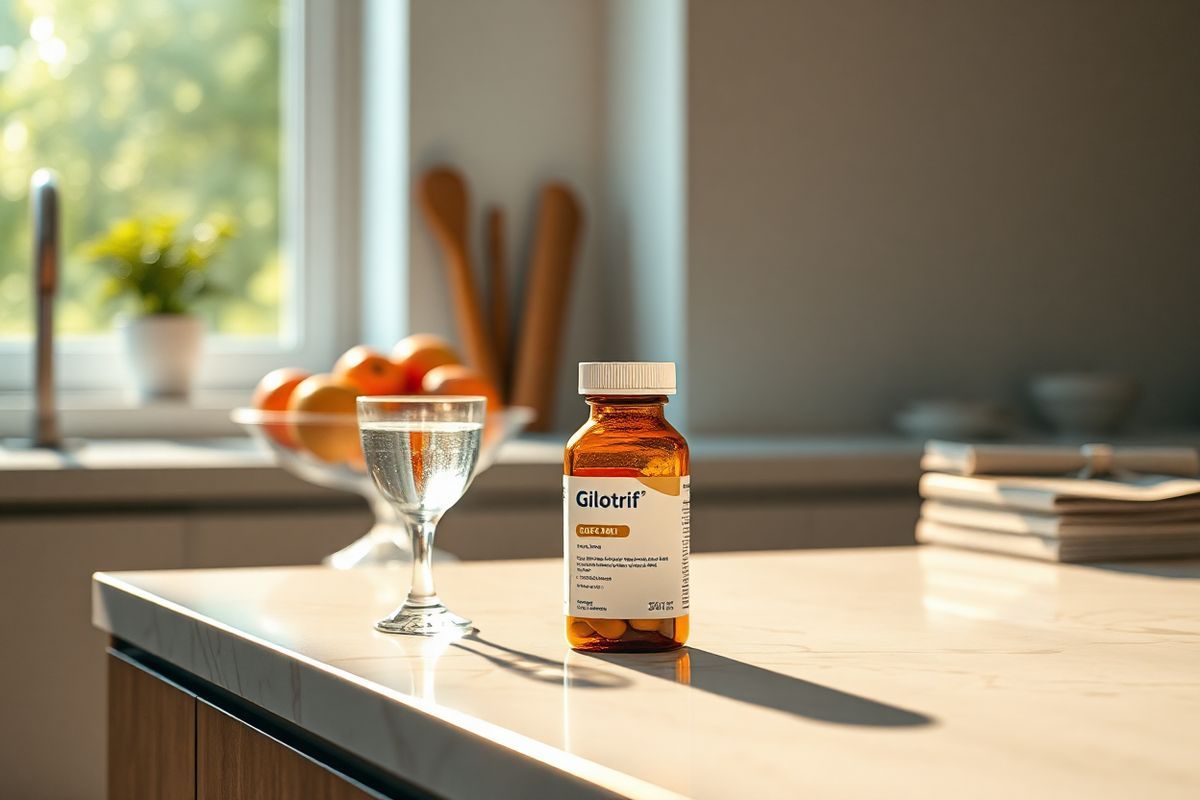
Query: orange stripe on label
pixel 602 531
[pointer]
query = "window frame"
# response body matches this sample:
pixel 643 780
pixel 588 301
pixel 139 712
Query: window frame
pixel 319 202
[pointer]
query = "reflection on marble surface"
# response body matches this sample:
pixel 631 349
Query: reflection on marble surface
pixel 422 668
pixel 857 673
pixel 996 588
pixel 539 668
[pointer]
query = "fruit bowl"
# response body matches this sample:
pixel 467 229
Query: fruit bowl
pixel 388 540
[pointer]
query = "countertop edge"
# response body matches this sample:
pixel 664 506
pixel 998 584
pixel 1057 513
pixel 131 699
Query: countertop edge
pixel 397 733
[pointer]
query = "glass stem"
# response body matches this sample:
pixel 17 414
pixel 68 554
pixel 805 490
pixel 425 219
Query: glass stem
pixel 422 592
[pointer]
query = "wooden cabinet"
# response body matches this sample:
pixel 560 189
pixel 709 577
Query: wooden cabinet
pixel 169 743
pixel 236 762
pixel 151 736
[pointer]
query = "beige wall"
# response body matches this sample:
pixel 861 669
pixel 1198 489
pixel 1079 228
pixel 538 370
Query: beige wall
pixel 899 199
pixel 512 93
pixel 870 201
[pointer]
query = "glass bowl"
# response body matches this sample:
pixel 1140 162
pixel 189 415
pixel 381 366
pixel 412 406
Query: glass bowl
pixel 388 539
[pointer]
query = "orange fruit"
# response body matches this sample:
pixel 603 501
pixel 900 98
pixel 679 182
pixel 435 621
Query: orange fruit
pixel 370 372
pixel 416 355
pixel 457 379
pixel 333 441
pixel 272 394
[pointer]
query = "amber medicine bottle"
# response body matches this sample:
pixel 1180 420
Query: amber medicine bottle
pixel 626 489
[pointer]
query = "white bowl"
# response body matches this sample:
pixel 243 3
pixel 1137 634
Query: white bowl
pixel 952 419
pixel 388 540
pixel 1084 403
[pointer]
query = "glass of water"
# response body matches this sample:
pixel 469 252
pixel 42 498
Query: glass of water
pixel 421 454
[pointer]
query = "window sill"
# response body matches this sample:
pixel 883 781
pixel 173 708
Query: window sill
pixel 110 415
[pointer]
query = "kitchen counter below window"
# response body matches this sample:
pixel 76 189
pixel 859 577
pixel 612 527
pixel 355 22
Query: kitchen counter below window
pixel 117 471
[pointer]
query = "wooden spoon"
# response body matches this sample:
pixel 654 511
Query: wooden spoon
pixel 497 264
pixel 559 224
pixel 442 197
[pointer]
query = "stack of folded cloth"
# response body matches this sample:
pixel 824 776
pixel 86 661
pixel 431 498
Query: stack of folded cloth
pixel 1094 503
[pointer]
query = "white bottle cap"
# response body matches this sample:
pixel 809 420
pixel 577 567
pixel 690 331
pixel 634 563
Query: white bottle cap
pixel 627 377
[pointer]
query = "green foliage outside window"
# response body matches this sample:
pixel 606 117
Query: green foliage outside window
pixel 145 108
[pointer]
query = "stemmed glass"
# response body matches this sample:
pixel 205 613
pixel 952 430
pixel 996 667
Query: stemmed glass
pixel 421 454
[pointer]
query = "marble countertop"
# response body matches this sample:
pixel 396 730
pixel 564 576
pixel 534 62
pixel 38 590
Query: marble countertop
pixel 908 672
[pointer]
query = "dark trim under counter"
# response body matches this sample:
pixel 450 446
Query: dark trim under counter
pixel 341 766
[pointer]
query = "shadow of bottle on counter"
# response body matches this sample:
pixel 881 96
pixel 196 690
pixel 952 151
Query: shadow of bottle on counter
pixel 1182 569
pixel 737 680
pixel 538 668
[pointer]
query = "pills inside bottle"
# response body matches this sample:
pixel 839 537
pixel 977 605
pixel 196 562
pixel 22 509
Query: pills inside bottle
pixel 626 514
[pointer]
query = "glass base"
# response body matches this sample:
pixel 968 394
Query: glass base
pixel 435 620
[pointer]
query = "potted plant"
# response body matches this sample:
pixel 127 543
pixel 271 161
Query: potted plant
pixel 161 270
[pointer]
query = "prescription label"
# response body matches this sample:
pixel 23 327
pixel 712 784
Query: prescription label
pixel 626 542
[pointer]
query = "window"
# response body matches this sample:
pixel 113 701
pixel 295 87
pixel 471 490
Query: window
pixel 185 107
pixel 143 106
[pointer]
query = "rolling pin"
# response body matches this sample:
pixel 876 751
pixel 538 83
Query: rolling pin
pixel 442 197
pixel 556 240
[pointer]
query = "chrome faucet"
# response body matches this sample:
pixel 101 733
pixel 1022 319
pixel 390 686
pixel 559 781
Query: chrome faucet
pixel 43 192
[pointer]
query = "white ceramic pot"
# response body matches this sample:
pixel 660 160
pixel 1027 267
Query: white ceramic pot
pixel 163 352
